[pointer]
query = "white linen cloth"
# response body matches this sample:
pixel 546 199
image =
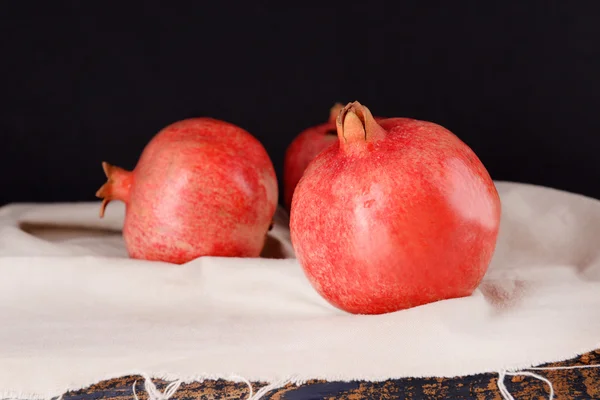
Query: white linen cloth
pixel 75 310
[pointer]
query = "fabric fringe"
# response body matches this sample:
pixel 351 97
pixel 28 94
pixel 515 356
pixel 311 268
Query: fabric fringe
pixel 527 372
pixel 155 394
pixel 171 389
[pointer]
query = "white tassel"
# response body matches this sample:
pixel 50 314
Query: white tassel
pixel 171 389
pixel 527 372
pixel 154 393
pixel 237 378
pixel 273 386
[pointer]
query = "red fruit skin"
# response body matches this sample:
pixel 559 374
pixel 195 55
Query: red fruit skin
pixel 202 187
pixel 404 218
pixel 303 149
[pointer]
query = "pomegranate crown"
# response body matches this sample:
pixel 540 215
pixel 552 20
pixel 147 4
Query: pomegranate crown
pixel 355 124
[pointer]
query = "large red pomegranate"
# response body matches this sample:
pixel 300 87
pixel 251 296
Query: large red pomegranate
pixel 398 213
pixel 304 148
pixel 202 187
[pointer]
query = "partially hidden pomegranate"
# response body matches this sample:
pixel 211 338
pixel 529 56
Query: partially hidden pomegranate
pixel 306 146
pixel 202 187
pixel 398 213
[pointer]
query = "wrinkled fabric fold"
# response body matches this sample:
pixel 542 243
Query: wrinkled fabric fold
pixel 74 309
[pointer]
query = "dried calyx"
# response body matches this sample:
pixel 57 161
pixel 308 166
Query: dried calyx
pixel 355 124
pixel 116 187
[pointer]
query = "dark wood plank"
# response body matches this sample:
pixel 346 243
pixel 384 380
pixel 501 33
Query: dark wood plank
pixel 575 384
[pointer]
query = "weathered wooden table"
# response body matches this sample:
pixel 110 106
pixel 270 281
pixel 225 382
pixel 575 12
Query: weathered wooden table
pixel 572 384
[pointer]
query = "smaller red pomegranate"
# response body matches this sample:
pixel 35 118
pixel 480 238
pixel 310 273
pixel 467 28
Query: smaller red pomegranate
pixel 202 187
pixel 398 213
pixel 304 148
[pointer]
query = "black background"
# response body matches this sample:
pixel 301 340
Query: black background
pixel 84 82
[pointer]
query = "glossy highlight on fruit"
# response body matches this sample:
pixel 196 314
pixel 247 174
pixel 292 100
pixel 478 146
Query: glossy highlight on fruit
pixel 202 187
pixel 398 213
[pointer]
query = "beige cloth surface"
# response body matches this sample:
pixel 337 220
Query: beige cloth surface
pixel 75 310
